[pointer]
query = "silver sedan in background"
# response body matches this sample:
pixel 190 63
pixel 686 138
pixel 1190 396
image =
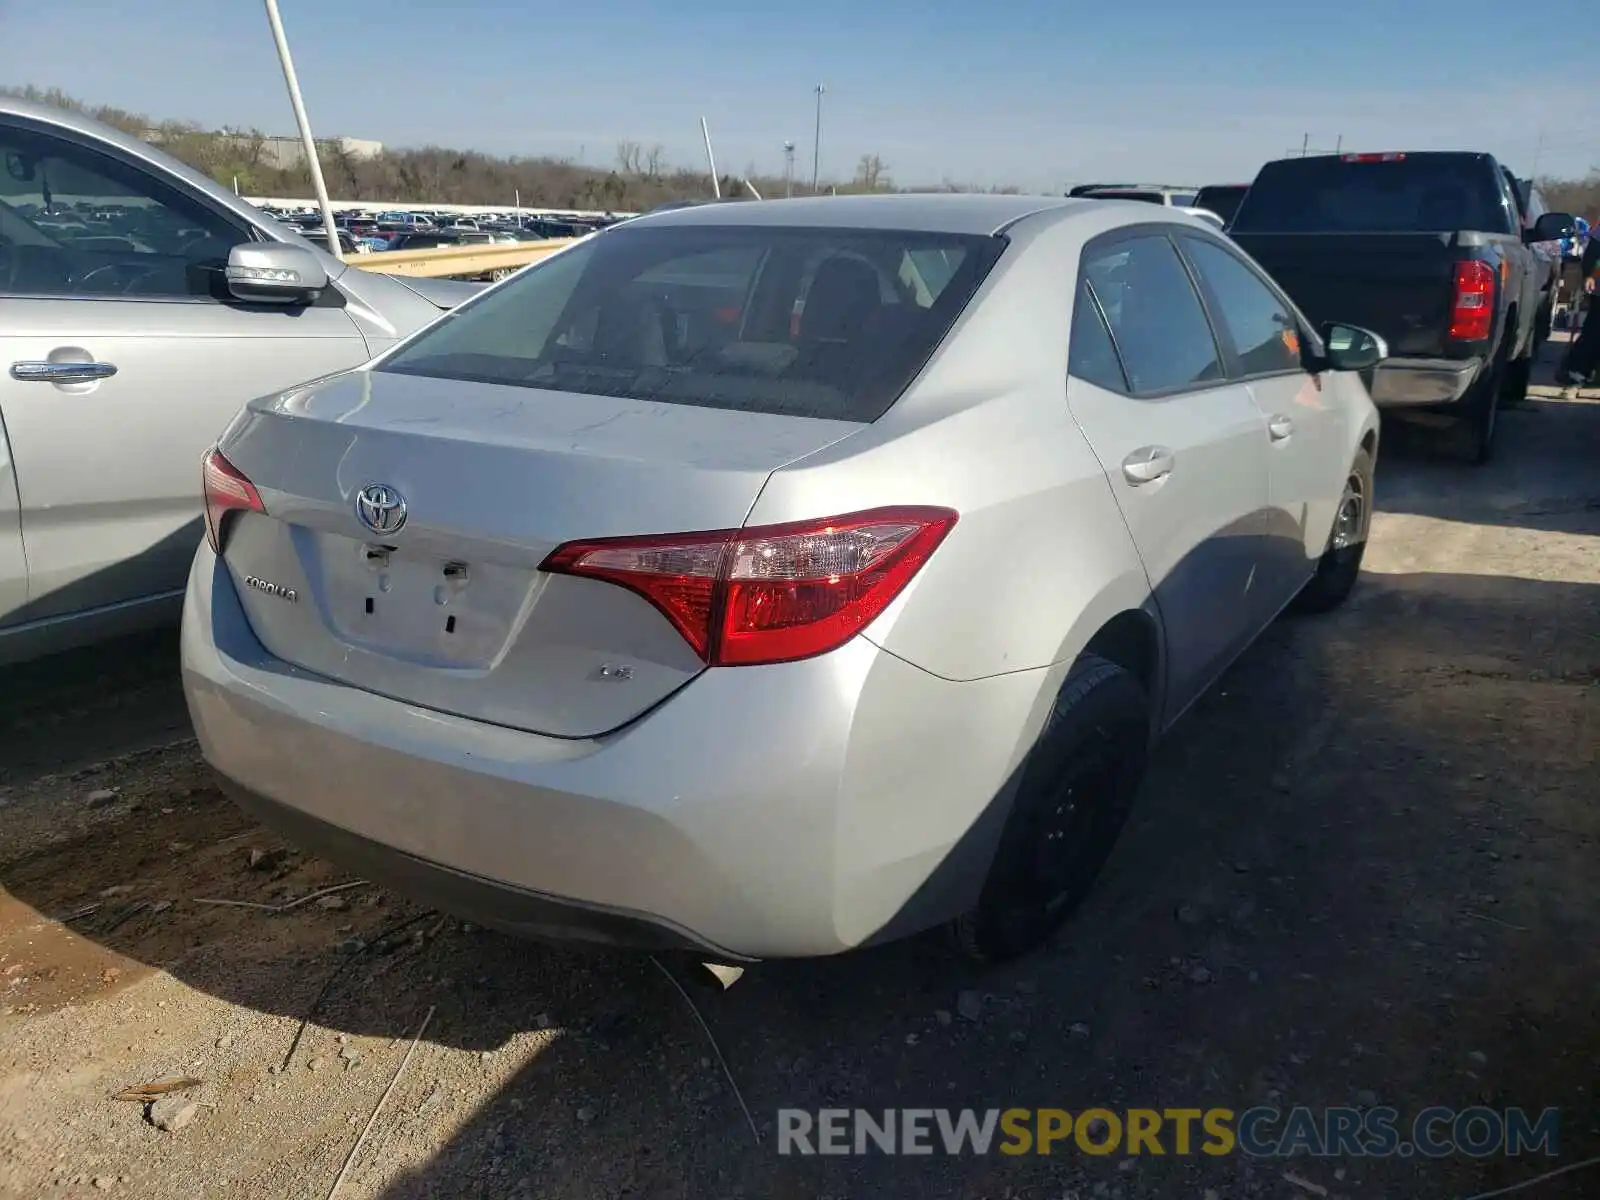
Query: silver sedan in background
pixel 775 579
pixel 140 306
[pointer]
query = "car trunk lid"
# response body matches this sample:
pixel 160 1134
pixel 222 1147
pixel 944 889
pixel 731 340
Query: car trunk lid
pixel 446 608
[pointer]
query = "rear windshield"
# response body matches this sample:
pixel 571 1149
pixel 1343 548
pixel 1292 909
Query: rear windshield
pixel 803 322
pixel 1417 193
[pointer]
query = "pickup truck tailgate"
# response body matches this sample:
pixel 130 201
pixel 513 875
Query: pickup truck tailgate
pixel 1399 285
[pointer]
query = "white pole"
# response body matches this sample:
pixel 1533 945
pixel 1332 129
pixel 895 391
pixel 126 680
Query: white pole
pixel 518 194
pixel 716 185
pixel 305 127
pixel 752 188
pixel 816 145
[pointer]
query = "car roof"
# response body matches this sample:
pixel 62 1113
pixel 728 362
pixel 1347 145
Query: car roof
pixel 918 212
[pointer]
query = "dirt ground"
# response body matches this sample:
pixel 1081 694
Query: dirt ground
pixel 1363 871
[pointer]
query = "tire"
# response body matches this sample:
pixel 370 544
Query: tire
pixel 1519 374
pixel 499 273
pixel 1340 564
pixel 1473 434
pixel 1077 785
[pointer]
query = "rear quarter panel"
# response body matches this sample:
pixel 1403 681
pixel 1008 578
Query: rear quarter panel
pixel 1040 558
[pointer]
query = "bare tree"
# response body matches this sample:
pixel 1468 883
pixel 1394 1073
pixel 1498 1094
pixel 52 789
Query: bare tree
pixel 629 156
pixel 872 175
pixel 654 159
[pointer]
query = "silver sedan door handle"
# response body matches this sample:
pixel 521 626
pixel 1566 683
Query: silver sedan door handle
pixel 61 372
pixel 1280 427
pixel 1147 464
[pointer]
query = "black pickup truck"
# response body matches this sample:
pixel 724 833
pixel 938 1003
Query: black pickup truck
pixel 1430 251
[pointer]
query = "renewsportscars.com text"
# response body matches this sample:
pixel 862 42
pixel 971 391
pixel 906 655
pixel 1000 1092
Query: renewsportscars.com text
pixel 1336 1132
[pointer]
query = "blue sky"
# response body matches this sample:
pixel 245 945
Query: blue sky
pixel 1011 91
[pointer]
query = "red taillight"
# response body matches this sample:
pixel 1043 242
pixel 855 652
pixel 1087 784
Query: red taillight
pixel 1472 310
pixel 227 490
pixel 770 593
pixel 1369 158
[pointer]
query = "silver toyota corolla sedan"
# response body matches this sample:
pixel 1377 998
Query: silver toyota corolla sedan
pixel 772 579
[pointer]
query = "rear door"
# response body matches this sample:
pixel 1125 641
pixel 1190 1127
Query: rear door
pixel 123 358
pixel 1184 449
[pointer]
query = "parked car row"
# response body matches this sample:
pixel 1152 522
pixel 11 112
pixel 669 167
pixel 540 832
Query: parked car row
pixel 927 514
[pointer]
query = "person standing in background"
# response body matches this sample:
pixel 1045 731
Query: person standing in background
pixel 1570 275
pixel 1583 356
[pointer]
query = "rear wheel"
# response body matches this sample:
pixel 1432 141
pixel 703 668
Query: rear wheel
pixel 1340 564
pixel 1473 434
pixel 1519 374
pixel 1077 785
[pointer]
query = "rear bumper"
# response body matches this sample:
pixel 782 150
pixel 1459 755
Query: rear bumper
pixel 1423 382
pixel 763 812
pixel 489 902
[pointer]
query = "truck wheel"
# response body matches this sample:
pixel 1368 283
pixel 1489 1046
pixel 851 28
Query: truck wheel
pixel 1340 564
pixel 1519 373
pixel 1473 434
pixel 1077 785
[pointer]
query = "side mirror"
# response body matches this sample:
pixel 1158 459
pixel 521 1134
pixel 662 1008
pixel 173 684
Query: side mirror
pixel 275 273
pixel 1552 227
pixel 1351 348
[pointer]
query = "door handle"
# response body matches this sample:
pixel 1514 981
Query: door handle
pixel 61 372
pixel 1147 464
pixel 1280 428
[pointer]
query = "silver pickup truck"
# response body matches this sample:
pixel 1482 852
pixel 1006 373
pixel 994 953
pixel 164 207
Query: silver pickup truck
pixel 141 305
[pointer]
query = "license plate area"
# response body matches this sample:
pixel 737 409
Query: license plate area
pixel 447 612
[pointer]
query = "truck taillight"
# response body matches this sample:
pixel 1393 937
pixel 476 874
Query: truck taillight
pixel 771 593
pixel 1388 156
pixel 227 491
pixel 1472 309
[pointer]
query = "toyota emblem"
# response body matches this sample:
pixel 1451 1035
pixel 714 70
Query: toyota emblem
pixel 381 508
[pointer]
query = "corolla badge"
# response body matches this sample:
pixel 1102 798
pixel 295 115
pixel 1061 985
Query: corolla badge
pixel 381 508
pixel 272 589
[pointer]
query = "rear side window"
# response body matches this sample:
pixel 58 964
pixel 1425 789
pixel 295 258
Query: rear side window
pixel 1154 314
pixel 1092 357
pixel 1415 193
pixel 802 322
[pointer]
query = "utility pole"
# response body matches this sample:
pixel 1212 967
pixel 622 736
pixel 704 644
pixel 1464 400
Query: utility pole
pixel 711 162
pixel 312 162
pixel 1305 145
pixel 816 145
pixel 1538 153
pixel 1338 146
pixel 788 170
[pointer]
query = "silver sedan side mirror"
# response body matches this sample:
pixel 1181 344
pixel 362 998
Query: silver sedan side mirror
pixel 1352 348
pixel 275 273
